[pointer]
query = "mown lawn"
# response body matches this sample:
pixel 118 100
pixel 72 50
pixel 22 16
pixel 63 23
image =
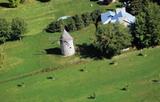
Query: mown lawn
pixel 34 70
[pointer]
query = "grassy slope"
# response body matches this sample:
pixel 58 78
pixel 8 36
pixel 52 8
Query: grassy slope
pixel 105 80
pixel 71 85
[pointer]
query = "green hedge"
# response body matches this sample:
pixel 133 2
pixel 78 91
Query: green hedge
pixel 74 23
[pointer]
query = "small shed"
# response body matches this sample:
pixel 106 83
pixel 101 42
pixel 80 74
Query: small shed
pixel 66 42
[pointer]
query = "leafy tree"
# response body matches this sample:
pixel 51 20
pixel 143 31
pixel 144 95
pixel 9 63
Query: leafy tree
pixel 4 30
pixel 86 17
pixel 14 3
pixel 112 38
pixel 146 30
pixel 18 28
pixel 78 22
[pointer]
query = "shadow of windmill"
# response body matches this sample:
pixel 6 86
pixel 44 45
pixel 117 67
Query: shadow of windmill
pixel 53 51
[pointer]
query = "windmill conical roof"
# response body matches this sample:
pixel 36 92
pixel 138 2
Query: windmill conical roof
pixel 66 36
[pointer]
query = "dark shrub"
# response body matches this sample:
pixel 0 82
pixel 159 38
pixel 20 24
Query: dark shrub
pixel 55 26
pixel 78 22
pixel 69 24
pixel 95 15
pixel 18 28
pixel 4 30
pixel 87 19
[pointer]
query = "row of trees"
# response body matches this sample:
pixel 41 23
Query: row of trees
pixel 74 23
pixel 112 38
pixel 12 30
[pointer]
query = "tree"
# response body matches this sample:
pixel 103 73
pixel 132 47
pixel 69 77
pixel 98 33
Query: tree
pixel 86 17
pixel 18 28
pixel 146 30
pixel 4 30
pixel 78 22
pixel 14 3
pixel 112 38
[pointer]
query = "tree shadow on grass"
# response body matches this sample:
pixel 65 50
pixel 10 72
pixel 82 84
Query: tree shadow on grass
pixel 53 51
pixel 88 51
pixel 4 5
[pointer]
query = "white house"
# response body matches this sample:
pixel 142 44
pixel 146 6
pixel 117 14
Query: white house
pixel 66 42
pixel 120 15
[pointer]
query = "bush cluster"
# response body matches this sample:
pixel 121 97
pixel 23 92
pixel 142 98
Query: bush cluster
pixel 112 38
pixel 74 23
pixel 11 30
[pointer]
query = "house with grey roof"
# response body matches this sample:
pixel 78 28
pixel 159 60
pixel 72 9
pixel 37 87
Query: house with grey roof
pixel 119 15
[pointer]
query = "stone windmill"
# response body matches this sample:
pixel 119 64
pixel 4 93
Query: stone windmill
pixel 66 42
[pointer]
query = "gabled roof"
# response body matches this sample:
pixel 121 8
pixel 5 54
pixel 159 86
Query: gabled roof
pixel 66 36
pixel 118 16
pixel 129 18
pixel 106 17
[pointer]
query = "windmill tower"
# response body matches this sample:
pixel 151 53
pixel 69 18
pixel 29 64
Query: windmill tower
pixel 66 42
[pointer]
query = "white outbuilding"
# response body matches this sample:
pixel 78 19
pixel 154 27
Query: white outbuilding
pixel 66 42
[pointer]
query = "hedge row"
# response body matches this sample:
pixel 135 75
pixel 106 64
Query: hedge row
pixel 74 23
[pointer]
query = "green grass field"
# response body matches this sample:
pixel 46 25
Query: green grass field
pixel 27 71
